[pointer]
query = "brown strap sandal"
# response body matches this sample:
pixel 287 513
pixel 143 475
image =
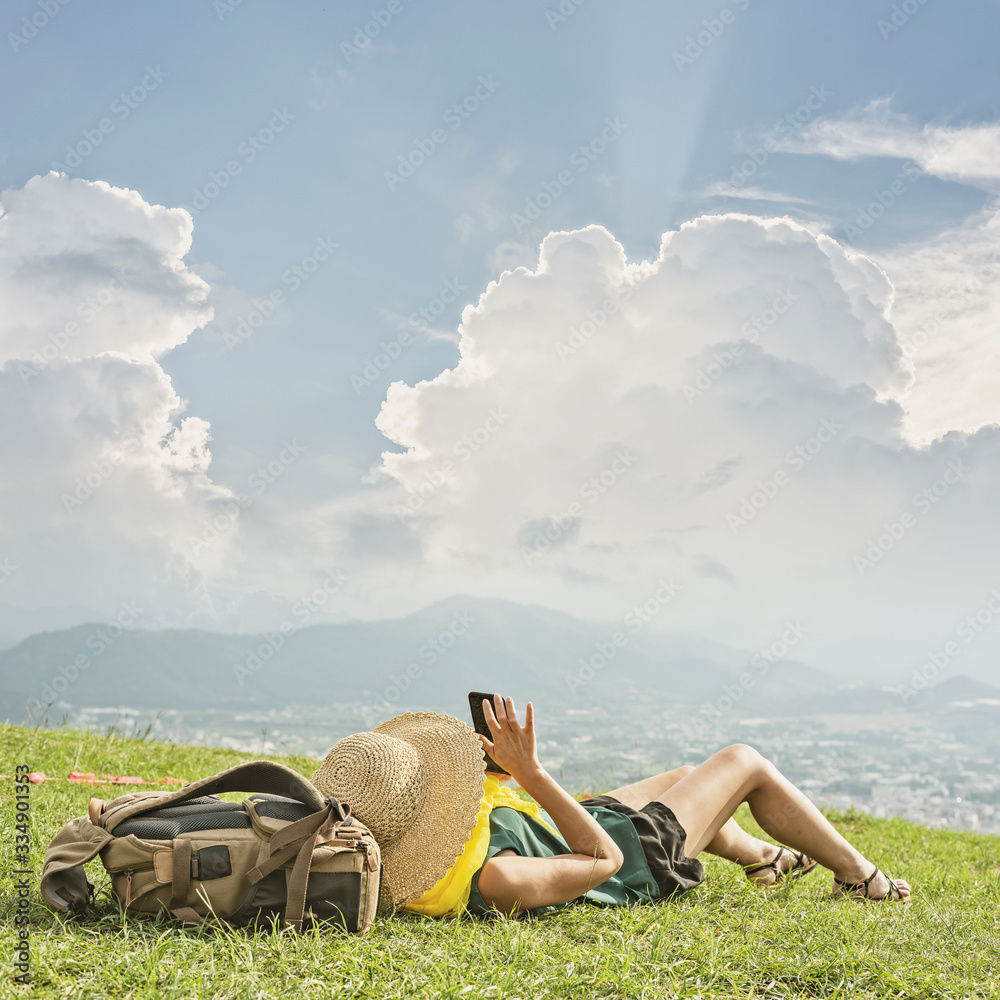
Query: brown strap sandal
pixel 801 865
pixel 862 890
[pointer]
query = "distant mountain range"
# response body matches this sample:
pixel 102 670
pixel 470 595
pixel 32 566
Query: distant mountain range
pixel 429 659
pixel 17 624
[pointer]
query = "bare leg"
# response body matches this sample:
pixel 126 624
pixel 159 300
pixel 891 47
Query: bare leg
pixel 705 799
pixel 641 793
pixel 731 842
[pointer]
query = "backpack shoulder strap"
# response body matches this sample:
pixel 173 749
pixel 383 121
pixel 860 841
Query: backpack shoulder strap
pixel 254 776
pixel 64 884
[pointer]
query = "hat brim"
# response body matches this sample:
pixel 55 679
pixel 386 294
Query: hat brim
pixel 456 773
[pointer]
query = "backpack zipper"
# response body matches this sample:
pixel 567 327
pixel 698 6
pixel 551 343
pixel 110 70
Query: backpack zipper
pixel 129 872
pixel 369 850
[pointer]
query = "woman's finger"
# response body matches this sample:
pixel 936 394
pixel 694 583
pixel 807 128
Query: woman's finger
pixel 491 720
pixel 511 712
pixel 501 710
pixel 529 718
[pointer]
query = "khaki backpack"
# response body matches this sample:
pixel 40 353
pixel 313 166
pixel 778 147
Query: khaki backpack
pixel 286 852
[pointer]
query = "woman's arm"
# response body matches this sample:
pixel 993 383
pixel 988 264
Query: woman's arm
pixel 523 883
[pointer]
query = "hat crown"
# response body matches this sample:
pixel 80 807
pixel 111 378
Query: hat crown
pixel 416 781
pixel 382 778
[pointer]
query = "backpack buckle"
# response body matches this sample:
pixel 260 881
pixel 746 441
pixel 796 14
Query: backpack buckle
pixel 343 811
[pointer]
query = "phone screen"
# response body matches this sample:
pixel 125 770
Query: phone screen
pixel 479 724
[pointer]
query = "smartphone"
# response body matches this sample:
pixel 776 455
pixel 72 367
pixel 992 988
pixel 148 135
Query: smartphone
pixel 479 724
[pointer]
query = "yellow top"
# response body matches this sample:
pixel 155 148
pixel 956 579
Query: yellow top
pixel 448 896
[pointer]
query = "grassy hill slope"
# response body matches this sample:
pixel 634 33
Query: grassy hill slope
pixel 726 939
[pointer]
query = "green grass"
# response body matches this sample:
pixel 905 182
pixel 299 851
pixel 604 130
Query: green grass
pixel 725 939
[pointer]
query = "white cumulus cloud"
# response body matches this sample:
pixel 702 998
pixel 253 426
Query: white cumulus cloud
pixel 86 267
pixel 105 480
pixel 720 416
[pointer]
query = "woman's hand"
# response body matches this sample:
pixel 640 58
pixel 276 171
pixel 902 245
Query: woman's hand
pixel 516 883
pixel 513 745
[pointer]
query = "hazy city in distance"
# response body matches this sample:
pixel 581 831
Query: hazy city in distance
pixel 607 713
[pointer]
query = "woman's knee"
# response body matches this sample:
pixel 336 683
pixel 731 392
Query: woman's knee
pixel 744 757
pixel 681 772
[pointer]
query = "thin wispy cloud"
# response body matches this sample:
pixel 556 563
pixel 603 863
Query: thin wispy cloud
pixel 724 189
pixel 410 324
pixel 966 153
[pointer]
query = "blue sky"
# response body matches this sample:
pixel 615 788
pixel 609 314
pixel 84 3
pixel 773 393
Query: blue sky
pixel 206 77
pixel 354 117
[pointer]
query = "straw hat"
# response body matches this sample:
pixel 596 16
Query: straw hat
pixel 416 782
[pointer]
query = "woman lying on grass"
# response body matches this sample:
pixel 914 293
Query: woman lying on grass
pixel 692 810
pixel 452 838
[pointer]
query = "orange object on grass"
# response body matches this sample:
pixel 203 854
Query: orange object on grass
pixel 96 778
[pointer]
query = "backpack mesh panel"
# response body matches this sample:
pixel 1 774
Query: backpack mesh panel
pixel 193 808
pixel 162 828
pixel 208 813
pixel 277 807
